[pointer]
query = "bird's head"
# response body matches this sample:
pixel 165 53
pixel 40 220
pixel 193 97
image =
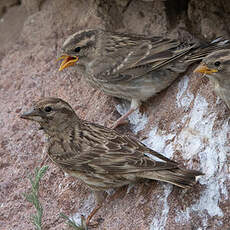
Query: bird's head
pixel 216 65
pixel 79 48
pixel 51 114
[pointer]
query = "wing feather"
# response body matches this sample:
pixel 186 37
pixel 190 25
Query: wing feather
pixel 134 62
pixel 112 153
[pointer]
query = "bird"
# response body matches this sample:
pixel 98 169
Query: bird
pixel 99 156
pixel 128 66
pixel 216 66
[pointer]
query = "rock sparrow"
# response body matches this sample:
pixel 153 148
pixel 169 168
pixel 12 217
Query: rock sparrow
pixel 216 66
pixel 101 157
pixel 132 67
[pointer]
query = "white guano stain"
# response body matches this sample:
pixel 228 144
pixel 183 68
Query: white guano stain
pixel 160 219
pixel 200 138
pixel 184 97
pixel 157 141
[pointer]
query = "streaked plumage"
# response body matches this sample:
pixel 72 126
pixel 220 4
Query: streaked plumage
pixel 132 67
pixel 216 66
pixel 99 156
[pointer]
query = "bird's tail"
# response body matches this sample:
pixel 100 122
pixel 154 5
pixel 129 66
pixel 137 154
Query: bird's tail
pixel 180 177
pixel 203 50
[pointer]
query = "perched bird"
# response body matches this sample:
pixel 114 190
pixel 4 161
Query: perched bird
pixel 216 66
pixel 101 157
pixel 127 66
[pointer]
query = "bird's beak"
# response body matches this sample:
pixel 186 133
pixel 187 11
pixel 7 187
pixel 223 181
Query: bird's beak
pixel 202 68
pixel 68 61
pixel 32 115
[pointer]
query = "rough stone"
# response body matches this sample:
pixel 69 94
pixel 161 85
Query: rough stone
pixel 186 122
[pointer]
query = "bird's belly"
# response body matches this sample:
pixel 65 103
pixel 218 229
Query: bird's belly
pixel 130 91
pixel 140 88
pixel 103 182
pixel 224 94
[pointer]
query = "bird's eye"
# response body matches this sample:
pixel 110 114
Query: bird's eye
pixel 77 49
pixel 217 63
pixel 48 109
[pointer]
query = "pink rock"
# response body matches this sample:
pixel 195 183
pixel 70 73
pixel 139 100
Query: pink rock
pixel 186 122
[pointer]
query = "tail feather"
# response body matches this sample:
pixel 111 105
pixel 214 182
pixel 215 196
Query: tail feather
pixel 203 50
pixel 180 177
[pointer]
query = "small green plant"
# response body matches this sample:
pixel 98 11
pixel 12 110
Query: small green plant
pixel 33 197
pixel 72 223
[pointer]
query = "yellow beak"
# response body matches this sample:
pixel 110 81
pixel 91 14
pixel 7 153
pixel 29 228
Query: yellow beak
pixel 204 69
pixel 68 61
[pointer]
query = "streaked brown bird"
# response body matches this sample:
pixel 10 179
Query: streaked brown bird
pixel 127 66
pixel 216 66
pixel 101 157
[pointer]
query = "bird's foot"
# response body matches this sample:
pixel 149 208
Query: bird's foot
pixel 86 226
pixel 114 124
pixel 122 120
pixel 86 223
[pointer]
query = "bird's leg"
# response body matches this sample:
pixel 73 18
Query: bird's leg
pixel 121 120
pixel 92 213
pixel 134 105
pixel 100 197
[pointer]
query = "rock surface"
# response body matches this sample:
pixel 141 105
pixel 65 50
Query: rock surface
pixel 186 122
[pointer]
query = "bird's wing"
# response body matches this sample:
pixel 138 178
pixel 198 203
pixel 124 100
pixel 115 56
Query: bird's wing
pixel 136 61
pixel 106 151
